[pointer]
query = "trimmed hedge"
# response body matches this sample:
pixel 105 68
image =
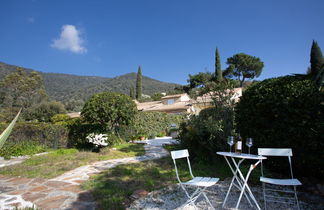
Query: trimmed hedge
pixel 286 112
pixel 49 135
pixel 31 138
pixel 152 124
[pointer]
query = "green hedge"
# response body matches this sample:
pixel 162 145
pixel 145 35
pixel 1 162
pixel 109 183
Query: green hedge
pixel 49 135
pixel 286 112
pixel 152 124
pixel 31 138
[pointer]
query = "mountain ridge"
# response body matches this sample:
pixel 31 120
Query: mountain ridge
pixel 69 87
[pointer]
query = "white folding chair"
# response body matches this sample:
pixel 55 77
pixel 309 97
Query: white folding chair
pixel 281 182
pixel 201 183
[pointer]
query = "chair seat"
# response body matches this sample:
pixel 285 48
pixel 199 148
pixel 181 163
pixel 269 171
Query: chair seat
pixel 290 182
pixel 202 181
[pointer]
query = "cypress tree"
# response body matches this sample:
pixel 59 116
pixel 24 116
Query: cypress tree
pixel 218 68
pixel 316 59
pixel 131 93
pixel 139 83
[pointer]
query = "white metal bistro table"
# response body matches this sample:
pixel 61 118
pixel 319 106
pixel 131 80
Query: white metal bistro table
pixel 238 180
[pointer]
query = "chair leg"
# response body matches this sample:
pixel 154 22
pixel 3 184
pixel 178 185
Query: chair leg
pixel 207 200
pixel 296 197
pixel 264 196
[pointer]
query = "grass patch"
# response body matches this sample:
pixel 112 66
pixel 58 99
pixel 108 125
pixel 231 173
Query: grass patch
pixel 60 161
pixel 21 148
pixel 113 188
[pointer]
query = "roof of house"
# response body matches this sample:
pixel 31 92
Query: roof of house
pixel 175 96
pixel 74 114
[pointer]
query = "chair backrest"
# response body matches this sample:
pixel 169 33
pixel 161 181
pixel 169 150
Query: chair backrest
pixel 181 154
pixel 274 152
pixel 279 152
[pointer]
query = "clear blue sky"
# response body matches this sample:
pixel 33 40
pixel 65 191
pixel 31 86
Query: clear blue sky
pixel 168 38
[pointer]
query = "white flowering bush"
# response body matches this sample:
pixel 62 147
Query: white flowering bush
pixel 99 140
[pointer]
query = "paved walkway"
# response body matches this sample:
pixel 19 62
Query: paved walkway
pixel 64 192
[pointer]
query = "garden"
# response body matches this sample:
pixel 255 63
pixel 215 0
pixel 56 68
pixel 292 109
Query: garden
pixel 283 112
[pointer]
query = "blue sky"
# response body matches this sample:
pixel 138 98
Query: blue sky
pixel 168 38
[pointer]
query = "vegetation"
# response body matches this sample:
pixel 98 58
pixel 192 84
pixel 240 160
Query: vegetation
pixel 44 111
pixel 59 161
pixel 46 134
pixel 316 70
pixel 286 112
pixel 151 124
pixel 5 134
pixel 132 93
pixel 316 59
pixel 139 87
pixel 14 149
pixel 157 96
pixel 110 110
pixel 21 89
pixel 218 68
pixel 243 66
pixel 73 90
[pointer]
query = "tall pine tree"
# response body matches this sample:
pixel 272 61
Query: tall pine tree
pixel 218 68
pixel 139 83
pixel 316 59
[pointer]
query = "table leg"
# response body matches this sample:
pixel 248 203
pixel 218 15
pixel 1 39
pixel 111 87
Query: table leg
pixel 240 179
pixel 245 185
pixel 235 177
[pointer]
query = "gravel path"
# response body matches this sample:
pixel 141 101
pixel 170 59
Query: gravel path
pixel 173 197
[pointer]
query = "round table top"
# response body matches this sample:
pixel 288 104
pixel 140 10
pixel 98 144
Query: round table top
pixel 241 155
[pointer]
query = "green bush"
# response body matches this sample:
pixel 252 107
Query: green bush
pixel 113 139
pixel 155 123
pixel 286 112
pixel 206 133
pixel 44 111
pixel 21 148
pixel 110 110
pixel 49 135
pixel 79 130
pixel 61 119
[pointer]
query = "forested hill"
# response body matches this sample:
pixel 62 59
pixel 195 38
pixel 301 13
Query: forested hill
pixel 67 87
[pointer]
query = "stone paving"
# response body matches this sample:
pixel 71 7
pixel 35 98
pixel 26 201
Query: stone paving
pixel 64 192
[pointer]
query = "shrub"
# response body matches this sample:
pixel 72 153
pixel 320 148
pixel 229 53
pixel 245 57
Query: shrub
pixel 79 130
pixel 44 111
pixel 49 135
pixel 286 112
pixel 206 133
pixel 21 148
pixel 110 110
pixel 60 119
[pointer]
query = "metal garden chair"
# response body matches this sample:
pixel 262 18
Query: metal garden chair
pixel 200 183
pixel 279 182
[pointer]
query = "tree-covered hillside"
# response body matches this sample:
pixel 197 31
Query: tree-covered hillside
pixel 73 90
